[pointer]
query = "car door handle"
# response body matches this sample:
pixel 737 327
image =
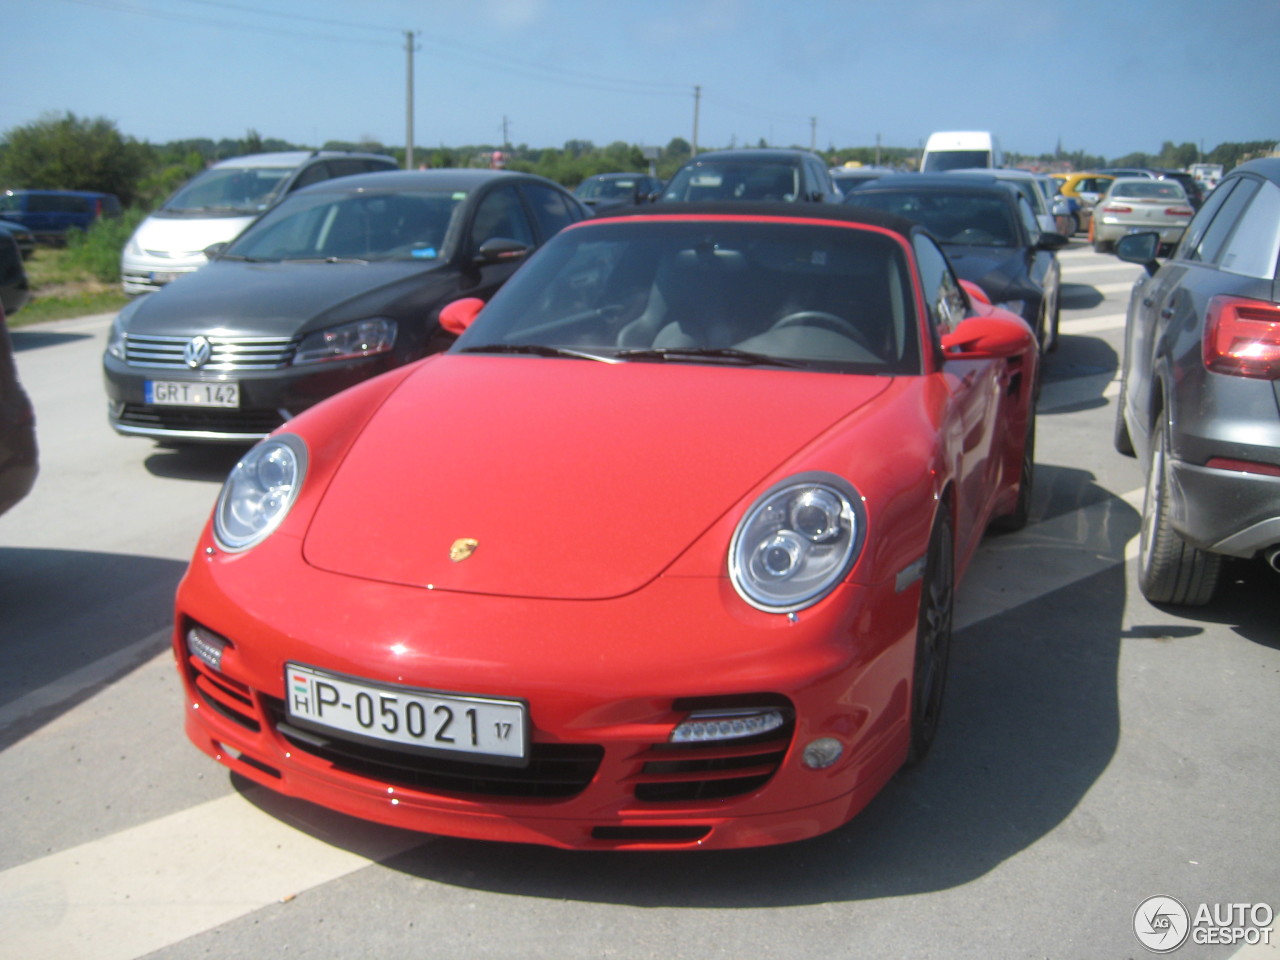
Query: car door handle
pixel 1148 302
pixel 1166 313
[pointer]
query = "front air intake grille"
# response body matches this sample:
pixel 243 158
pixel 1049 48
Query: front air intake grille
pixel 555 770
pixel 249 423
pixel 710 771
pixel 231 698
pixel 227 354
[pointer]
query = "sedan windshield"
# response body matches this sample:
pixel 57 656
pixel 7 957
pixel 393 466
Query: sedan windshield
pixel 958 218
pixel 730 293
pixel 733 180
pixel 346 225
pixel 245 191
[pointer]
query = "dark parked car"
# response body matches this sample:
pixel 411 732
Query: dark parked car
pixel 24 238
pixel 340 282
pixel 850 178
pixel 14 287
pixel 1200 389
pixel 49 214
pixel 990 234
pixel 784 175
pixel 18 460
pixel 609 191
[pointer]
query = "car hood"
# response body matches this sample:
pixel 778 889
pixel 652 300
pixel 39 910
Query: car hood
pixel 574 479
pixel 994 269
pixel 267 299
pixel 187 236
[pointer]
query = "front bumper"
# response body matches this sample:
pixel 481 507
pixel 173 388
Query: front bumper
pixel 268 398
pixel 1107 231
pixel 605 682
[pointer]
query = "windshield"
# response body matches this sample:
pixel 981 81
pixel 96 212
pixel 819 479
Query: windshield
pixel 942 160
pixel 728 292
pixel 606 189
pixel 245 191
pixel 732 180
pixel 345 225
pixel 973 219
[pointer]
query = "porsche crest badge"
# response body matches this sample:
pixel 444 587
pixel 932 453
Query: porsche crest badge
pixel 462 548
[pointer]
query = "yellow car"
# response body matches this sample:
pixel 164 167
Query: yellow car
pixel 1086 188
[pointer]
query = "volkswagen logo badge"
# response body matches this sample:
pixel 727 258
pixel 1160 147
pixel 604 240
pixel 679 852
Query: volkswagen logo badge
pixel 197 352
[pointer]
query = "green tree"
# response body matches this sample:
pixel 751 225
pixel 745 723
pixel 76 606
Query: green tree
pixel 70 153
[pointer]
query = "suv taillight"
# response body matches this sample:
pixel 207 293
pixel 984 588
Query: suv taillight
pixel 1242 338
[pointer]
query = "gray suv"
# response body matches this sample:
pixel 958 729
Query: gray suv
pixel 1200 389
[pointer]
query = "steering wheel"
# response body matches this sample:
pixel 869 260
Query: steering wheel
pixel 828 321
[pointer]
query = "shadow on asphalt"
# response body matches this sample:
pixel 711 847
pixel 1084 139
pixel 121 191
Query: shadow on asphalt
pixel 62 610
pixel 1079 296
pixel 204 463
pixel 33 338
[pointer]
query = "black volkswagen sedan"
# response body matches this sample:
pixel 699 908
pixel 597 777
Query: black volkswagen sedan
pixel 787 176
pixel 1200 389
pixel 337 284
pixel 990 234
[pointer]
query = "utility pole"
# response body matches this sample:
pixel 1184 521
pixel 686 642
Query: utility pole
pixel 697 99
pixel 506 136
pixel 408 134
pixel 813 133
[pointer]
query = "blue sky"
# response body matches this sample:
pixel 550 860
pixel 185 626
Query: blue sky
pixel 1109 77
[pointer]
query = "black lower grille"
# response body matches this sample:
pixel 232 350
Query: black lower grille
pixel 709 771
pixel 555 770
pixel 248 422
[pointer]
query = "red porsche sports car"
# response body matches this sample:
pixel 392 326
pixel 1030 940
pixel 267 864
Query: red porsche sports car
pixel 659 555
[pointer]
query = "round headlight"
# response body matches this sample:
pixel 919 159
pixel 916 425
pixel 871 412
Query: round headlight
pixel 259 492
pixel 796 542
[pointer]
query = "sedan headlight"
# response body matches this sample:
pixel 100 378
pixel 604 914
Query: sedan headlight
pixel 796 542
pixel 363 338
pixel 259 492
pixel 115 339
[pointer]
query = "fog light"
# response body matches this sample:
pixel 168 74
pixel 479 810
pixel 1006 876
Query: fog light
pixel 707 725
pixel 206 646
pixel 822 753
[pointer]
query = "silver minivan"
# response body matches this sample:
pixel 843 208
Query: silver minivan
pixel 215 206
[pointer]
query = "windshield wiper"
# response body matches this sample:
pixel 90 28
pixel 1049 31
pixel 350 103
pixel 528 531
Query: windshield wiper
pixel 326 260
pixel 538 350
pixel 728 354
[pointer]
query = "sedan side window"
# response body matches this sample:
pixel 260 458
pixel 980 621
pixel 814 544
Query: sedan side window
pixel 1215 236
pixel 501 215
pixel 1200 222
pixel 1255 245
pixel 550 209
pixel 942 294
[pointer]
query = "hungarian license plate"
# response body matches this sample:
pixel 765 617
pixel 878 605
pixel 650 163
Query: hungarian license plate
pixel 448 723
pixel 185 393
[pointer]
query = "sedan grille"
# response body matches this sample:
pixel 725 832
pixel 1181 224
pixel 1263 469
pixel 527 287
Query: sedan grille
pixel 226 353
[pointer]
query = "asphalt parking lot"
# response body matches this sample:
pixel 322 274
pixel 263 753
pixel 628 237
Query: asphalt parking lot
pixel 1096 750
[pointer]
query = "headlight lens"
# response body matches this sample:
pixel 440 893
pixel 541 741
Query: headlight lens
pixel 363 338
pixel 259 492
pixel 115 339
pixel 796 542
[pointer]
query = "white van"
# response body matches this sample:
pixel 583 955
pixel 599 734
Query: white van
pixel 219 203
pixel 959 150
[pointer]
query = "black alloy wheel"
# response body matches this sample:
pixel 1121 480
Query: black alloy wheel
pixel 933 638
pixel 1170 570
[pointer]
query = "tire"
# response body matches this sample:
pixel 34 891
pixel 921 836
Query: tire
pixel 1026 486
pixel 1170 570
pixel 1055 320
pixel 1075 225
pixel 1120 438
pixel 933 638
pixel 1102 246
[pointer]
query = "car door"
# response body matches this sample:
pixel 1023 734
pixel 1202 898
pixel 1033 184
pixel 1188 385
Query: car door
pixel 499 214
pixel 1162 322
pixel 974 388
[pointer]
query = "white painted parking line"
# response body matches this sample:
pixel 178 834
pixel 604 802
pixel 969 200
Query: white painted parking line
pixel 145 888
pixel 1110 321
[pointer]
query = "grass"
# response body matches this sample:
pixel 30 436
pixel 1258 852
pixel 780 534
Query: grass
pixel 61 287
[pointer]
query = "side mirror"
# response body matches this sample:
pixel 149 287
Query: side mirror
pixel 974 291
pixel 985 338
pixel 500 250
pixel 457 316
pixel 1140 248
pixel 215 249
